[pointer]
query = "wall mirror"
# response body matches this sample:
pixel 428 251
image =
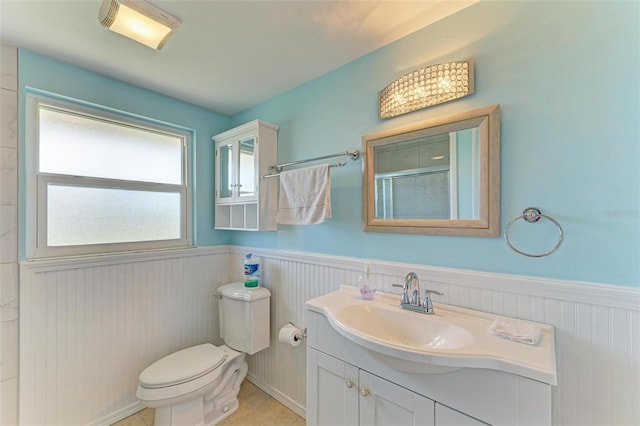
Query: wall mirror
pixel 440 176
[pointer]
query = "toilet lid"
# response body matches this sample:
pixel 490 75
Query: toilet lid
pixel 182 366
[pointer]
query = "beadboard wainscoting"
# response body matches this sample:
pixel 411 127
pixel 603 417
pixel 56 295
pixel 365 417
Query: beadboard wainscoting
pixel 597 326
pixel 88 327
pixel 92 325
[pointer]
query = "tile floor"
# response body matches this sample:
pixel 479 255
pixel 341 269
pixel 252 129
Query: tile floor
pixel 256 408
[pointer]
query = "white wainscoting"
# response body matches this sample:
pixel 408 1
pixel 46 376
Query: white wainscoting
pixel 597 326
pixel 88 327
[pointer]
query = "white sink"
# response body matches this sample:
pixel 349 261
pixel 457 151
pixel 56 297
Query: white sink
pixel 453 338
pixel 411 331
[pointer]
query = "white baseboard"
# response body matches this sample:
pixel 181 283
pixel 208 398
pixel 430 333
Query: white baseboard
pixel 116 416
pixel 276 394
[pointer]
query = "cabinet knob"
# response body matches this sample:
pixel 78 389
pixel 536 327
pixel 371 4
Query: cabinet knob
pixel 349 383
pixel 364 391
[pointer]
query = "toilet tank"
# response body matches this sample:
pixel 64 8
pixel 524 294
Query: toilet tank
pixel 244 317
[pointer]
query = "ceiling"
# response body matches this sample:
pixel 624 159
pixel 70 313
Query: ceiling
pixel 226 56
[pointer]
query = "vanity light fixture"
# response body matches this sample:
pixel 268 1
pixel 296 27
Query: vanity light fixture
pixel 139 20
pixel 425 87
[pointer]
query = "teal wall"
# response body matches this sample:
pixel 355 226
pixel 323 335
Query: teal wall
pixel 566 77
pixel 45 74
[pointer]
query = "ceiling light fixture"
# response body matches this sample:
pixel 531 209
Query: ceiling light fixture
pixel 139 20
pixel 425 87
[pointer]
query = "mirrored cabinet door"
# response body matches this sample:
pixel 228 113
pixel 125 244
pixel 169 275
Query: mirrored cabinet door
pixel 226 183
pixel 247 168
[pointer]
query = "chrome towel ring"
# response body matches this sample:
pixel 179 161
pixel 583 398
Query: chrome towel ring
pixel 533 215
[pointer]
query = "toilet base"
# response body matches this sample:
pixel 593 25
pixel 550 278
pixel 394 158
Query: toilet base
pixel 218 414
pixel 193 413
pixel 185 413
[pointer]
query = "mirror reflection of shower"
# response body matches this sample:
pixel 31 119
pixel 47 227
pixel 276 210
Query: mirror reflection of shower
pixel 432 177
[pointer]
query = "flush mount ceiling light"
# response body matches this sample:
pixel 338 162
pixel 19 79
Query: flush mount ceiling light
pixel 425 87
pixel 139 20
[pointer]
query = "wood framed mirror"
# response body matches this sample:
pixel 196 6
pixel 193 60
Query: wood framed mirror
pixel 439 177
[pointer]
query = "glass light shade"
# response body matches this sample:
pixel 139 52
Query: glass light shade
pixel 139 21
pixel 425 87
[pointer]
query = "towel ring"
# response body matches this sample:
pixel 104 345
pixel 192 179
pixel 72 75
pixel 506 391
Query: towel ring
pixel 533 215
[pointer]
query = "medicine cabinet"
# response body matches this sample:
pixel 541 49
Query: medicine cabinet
pixel 244 201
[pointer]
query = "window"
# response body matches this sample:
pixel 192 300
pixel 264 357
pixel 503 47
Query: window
pixel 103 182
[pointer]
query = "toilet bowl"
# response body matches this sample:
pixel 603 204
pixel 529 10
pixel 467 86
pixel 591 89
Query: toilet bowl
pixel 195 386
pixel 199 385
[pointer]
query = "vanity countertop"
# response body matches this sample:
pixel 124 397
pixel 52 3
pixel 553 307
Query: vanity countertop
pixel 450 339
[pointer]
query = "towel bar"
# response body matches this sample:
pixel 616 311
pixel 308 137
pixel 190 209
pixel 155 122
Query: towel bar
pixel 349 156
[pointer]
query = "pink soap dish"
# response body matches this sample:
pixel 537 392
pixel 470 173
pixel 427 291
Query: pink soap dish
pixel 367 293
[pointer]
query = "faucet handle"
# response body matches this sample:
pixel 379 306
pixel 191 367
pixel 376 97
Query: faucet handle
pixel 428 306
pixel 405 297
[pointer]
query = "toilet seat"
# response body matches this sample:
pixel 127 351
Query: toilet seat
pixel 182 366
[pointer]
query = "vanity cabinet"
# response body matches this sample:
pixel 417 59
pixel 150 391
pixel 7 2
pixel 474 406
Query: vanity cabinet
pixel 349 385
pixel 449 417
pixel 244 201
pixel 347 395
pixel 334 397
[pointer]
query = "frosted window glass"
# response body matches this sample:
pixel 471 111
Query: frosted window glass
pixel 83 146
pixel 79 215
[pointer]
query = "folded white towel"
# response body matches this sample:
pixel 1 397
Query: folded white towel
pixel 305 196
pixel 518 331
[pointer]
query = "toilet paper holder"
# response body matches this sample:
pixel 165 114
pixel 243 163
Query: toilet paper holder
pixel 297 337
pixel 302 336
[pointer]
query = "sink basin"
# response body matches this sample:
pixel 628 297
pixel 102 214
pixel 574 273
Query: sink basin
pixel 389 323
pixel 451 339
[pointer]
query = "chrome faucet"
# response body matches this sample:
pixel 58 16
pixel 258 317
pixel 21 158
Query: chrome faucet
pixel 412 277
pixel 426 306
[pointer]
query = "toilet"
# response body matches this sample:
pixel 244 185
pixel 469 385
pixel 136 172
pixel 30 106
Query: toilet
pixel 199 385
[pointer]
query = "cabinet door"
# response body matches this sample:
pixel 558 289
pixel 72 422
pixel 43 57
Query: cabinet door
pixel 445 416
pixel 385 403
pixel 225 167
pixel 332 391
pixel 246 183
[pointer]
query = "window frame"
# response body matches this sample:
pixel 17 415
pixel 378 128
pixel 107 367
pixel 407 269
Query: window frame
pixel 37 182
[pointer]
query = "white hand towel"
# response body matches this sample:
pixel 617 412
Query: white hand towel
pixel 518 331
pixel 305 196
